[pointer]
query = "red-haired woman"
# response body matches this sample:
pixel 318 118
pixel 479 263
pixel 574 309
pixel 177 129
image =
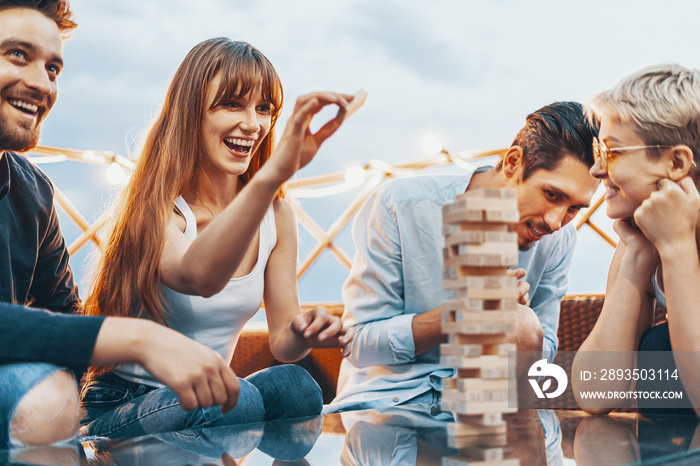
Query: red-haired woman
pixel 203 234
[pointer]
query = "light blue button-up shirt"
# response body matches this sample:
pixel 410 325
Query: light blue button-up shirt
pixel 397 273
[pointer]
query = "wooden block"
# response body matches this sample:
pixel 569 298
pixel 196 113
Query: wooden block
pixel 455 275
pixel 485 317
pixel 506 216
pixel 467 236
pixel 490 305
pixel 463 365
pixel 450 229
pixel 467 396
pixel 447 349
pixel 471 234
pixel 485 281
pixel 449 275
pixel 489 364
pixel 453 279
pixel 505 258
pixel 495 372
pixel 480 384
pixel 477 328
pixel 487 342
pixel 482 203
pixel 500 237
pixel 357 101
pixel 462 461
pixel 504 292
pixel 476 345
pixel 478 248
pixel 472 215
pixel 490 254
pixel 487 419
pixel 457 227
pixel 491 209
pixel 487 247
pixel 460 216
pixel 504 349
pixel 476 408
pixel 479 389
pixel 479 439
pixel 457 207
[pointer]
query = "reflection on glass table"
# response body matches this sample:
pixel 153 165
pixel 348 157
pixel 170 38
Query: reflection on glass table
pixel 396 436
pixel 634 439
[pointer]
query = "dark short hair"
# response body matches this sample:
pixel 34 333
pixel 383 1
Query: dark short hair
pixel 57 10
pixel 553 133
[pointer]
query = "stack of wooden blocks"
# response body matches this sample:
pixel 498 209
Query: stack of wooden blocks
pixel 478 250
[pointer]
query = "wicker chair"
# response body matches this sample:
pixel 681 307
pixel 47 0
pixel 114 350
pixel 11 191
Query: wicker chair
pixel 579 314
pixel 253 353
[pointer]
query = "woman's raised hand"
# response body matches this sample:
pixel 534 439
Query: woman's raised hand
pixel 639 251
pixel 298 145
pixel 670 216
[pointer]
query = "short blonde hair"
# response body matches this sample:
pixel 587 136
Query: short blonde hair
pixel 661 101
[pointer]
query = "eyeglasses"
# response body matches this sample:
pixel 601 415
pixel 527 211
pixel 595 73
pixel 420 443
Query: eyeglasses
pixel 604 153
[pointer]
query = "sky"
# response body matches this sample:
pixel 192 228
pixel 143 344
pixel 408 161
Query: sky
pixel 467 71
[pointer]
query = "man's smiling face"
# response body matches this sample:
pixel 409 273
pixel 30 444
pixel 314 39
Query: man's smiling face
pixel 549 199
pixel 31 58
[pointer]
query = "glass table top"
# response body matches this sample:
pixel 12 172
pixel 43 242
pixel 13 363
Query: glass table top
pixel 396 436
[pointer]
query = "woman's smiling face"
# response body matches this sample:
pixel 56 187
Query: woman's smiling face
pixel 233 131
pixel 632 175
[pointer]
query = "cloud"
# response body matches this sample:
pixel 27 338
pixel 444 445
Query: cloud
pixel 467 70
pixel 407 38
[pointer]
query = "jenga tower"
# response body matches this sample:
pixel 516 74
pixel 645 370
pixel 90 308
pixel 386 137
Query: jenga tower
pixel 478 250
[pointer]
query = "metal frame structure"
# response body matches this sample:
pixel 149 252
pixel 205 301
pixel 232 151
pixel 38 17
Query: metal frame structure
pixel 373 174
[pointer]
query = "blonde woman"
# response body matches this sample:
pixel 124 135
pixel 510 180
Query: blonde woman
pixel 647 155
pixel 203 235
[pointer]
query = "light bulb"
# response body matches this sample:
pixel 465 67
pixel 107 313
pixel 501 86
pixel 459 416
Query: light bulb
pixel 115 174
pixel 355 176
pixel 430 144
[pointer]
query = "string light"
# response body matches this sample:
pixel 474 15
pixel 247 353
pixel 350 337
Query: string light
pixel 355 176
pixel 115 174
pixel 430 144
pixel 368 178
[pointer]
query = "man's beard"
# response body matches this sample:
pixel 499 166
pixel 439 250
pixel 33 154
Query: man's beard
pixel 521 228
pixel 525 247
pixel 17 138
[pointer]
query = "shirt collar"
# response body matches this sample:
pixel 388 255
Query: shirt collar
pixel 4 175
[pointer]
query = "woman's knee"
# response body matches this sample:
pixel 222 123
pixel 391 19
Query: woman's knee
pixel 288 391
pixel 48 413
pixel 250 406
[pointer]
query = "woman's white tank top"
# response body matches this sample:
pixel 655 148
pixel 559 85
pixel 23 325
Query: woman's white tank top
pixel 216 321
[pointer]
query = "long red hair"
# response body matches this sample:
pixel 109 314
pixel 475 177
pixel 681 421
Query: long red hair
pixel 127 278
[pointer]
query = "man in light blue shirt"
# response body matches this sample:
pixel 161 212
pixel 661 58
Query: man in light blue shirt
pixel 394 291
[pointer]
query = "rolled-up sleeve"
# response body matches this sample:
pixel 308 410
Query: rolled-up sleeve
pixel 373 294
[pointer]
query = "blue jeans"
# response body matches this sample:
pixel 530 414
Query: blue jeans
pixel 116 408
pixel 286 440
pixel 16 380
